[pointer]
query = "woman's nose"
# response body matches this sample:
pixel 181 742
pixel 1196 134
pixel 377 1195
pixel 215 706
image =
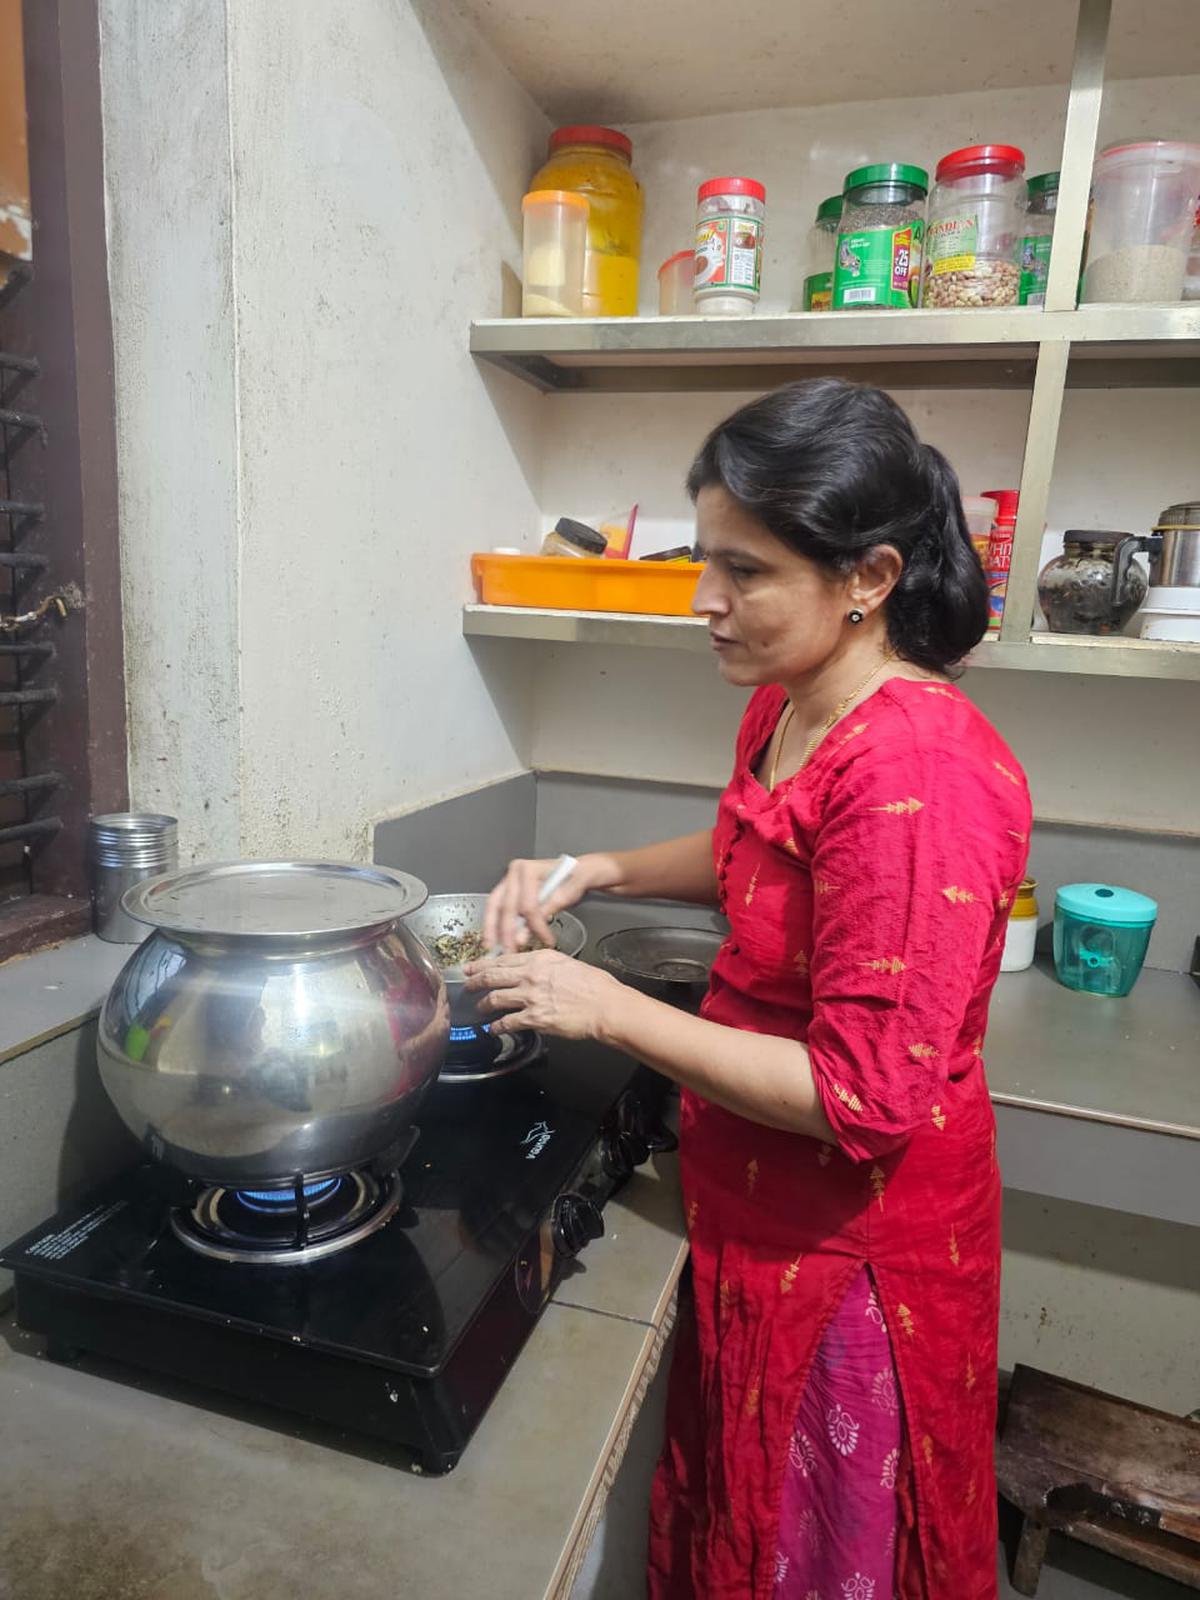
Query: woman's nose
pixel 708 600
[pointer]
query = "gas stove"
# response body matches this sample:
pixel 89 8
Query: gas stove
pixel 388 1301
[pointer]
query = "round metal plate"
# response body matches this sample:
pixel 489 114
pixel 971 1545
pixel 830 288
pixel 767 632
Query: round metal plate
pixel 275 899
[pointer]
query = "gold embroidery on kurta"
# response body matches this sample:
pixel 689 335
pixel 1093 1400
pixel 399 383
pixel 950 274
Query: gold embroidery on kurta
pixel 752 1398
pixel 851 1101
pixel 726 1297
pixel 751 1176
pixel 1021 838
pixel 691 1213
pixel 901 808
pixel 922 1052
pixel 878 1183
pixel 971 1492
pixel 906 1319
pixel 927 1450
pixel 936 688
pixel 1006 899
pixel 789 1275
pixel 1005 773
pixel 892 964
pixel 753 886
pixel 957 896
pixel 954 1256
pixel 970 1371
pixel 791 846
pixel 823 886
pixel 825 1154
pixel 853 733
pixel 977 1045
pixel 800 962
pixel 939 1117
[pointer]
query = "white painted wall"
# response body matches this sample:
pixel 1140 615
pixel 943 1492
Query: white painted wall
pixel 307 206
pixel 1099 751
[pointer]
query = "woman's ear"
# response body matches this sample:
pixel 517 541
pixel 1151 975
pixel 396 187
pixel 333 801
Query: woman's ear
pixel 874 578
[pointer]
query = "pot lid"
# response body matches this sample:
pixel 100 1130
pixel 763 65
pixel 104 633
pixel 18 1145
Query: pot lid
pixel 1185 515
pixel 1108 904
pixel 275 900
pixel 1095 536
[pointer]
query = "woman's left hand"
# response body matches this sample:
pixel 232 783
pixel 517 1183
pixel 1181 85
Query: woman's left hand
pixel 546 991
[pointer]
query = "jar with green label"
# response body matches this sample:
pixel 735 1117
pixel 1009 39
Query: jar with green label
pixel 880 238
pixel 817 293
pixel 1040 206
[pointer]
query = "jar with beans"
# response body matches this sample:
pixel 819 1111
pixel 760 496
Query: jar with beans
pixel 976 225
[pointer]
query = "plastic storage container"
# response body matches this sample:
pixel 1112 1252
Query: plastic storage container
pixel 1041 203
pixel 1191 281
pixel 1172 614
pixel 645 587
pixel 675 284
pixel 555 224
pixel 880 238
pixel 730 216
pixel 1020 935
pixel 980 512
pixel 597 162
pixel 821 248
pixel 576 539
pixel 1101 935
pixel 976 222
pixel 1143 214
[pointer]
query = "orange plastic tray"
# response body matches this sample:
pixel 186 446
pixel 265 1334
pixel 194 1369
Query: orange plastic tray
pixel 575 583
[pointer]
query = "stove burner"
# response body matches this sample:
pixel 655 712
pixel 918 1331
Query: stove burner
pixel 268 1228
pixel 476 1054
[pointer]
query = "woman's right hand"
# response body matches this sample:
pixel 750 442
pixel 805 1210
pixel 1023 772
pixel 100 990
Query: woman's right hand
pixel 515 899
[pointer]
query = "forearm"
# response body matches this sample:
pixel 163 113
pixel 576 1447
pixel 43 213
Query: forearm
pixel 675 869
pixel 758 1076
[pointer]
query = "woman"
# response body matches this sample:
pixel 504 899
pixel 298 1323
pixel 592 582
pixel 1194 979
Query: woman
pixel 832 1403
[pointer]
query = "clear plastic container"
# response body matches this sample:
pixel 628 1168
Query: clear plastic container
pixel 597 162
pixel 820 252
pixel 980 512
pixel 555 224
pixel 1143 215
pixel 675 284
pixel 1191 282
pixel 1041 203
pixel 730 216
pixel 1101 935
pixel 976 222
pixel 880 238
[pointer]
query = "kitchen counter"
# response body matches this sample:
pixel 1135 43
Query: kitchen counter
pixel 116 1486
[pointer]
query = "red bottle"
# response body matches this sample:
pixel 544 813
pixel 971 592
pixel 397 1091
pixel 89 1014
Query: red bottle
pixel 999 556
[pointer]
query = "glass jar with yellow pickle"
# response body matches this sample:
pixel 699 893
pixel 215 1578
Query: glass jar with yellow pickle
pixel 596 162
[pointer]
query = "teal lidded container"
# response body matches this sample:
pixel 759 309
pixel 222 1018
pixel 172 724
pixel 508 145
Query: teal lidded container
pixel 1101 934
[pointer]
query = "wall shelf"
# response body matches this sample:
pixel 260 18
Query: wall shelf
pixel 1108 346
pixel 1043 652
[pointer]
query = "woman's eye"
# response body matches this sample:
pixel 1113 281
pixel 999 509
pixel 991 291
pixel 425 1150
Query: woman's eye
pixel 741 572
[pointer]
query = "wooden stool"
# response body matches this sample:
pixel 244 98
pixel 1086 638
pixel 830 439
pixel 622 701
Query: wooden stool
pixel 1109 1473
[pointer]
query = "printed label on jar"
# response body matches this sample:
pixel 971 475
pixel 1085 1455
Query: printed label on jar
pixel 1035 269
pixel 952 245
pixel 999 561
pixel 878 267
pixel 818 292
pixel 728 254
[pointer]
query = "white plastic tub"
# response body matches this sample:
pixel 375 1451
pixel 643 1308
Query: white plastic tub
pixel 1172 614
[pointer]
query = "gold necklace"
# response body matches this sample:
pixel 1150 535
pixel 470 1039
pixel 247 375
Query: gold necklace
pixel 834 717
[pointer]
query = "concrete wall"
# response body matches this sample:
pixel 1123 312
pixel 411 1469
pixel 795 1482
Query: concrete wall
pixel 307 205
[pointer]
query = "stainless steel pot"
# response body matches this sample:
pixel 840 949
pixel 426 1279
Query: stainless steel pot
pixel 463 913
pixel 1175 547
pixel 280 1019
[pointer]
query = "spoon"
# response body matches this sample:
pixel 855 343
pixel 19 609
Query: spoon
pixel 557 876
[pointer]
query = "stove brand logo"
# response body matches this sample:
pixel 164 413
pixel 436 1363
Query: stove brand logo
pixel 538 1137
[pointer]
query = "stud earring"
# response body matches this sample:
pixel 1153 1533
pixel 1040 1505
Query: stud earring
pixel 856 616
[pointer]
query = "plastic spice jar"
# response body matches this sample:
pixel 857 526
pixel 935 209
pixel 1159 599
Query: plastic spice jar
pixel 597 162
pixel 817 292
pixel 976 222
pixel 730 216
pixel 675 285
pixel 1020 933
pixel 555 223
pixel 880 238
pixel 1143 213
pixel 1041 202
pixel 571 538
pixel 999 556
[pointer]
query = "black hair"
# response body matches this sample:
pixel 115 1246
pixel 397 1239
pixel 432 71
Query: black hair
pixel 834 469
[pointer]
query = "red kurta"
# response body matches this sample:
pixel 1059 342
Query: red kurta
pixel 868 898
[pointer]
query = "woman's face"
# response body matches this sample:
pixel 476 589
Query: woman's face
pixel 773 615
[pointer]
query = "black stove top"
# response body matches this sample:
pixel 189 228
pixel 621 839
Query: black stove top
pixel 406 1333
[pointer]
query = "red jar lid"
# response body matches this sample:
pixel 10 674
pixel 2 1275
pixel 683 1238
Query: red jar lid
pixel 1006 503
pixel 679 255
pixel 748 186
pixel 1005 158
pixel 588 133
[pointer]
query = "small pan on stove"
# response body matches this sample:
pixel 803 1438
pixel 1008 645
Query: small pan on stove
pixel 671 964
